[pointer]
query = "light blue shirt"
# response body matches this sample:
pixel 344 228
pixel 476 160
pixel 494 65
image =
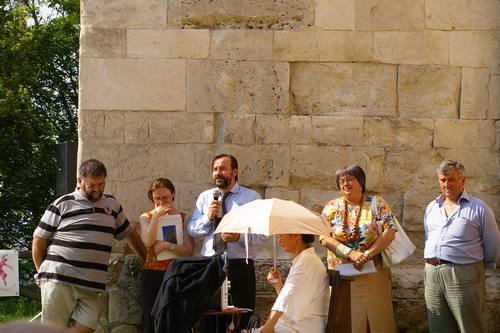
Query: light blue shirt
pixel 470 234
pixel 200 225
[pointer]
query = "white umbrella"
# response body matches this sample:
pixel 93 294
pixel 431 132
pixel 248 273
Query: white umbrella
pixel 273 217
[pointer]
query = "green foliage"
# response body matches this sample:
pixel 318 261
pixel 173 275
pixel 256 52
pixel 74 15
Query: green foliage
pixel 18 308
pixel 38 109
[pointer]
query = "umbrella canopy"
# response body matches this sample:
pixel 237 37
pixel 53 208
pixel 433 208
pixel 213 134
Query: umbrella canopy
pixel 272 217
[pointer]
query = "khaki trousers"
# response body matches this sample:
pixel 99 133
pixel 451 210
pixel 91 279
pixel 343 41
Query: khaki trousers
pixel 371 298
pixel 455 296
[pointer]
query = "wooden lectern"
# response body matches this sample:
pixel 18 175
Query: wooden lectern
pixel 339 313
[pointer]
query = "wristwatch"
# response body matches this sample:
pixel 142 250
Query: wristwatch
pixel 368 254
pixel 172 246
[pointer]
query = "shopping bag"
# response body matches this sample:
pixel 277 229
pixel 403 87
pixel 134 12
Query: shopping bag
pixel 400 248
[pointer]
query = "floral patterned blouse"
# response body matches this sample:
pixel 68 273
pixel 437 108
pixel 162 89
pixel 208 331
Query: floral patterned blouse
pixel 151 263
pixel 370 226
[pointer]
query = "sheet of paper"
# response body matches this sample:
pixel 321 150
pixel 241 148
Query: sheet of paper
pixel 349 270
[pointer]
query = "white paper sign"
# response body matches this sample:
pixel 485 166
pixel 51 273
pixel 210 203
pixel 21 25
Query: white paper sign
pixel 349 270
pixel 169 230
pixel 9 273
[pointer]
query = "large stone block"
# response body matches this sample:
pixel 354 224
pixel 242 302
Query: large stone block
pixel 342 131
pixel 411 47
pixel 103 43
pixel 119 14
pixel 106 153
pixel 144 163
pixel 465 134
pixel 411 169
pixel 168 128
pixel 282 193
pixel 250 87
pixel 236 128
pixel 241 45
pixel 323 46
pixel 497 124
pixel 335 14
pixel 462 15
pixel 393 132
pixel 257 165
pixel 428 92
pixel 133 198
pixel 475 49
pixel 416 204
pixel 283 129
pixel 140 162
pixel 99 127
pixel 474 95
pixel 344 89
pixel 229 14
pixel 316 165
pixel 165 44
pixel 494 98
pixel 295 46
pixel 376 15
pixel 187 193
pixel 132 84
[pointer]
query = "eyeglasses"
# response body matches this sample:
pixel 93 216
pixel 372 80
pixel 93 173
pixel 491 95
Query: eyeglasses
pixel 164 198
pixel 280 235
pixel 346 180
pixel 92 186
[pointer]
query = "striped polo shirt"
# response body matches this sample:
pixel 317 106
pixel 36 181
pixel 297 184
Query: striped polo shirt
pixel 81 234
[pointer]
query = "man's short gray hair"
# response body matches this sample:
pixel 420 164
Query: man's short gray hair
pixel 447 165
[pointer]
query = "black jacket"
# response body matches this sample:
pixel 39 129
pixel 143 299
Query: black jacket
pixel 186 290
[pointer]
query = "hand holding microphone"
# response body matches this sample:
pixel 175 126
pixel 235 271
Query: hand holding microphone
pixel 214 208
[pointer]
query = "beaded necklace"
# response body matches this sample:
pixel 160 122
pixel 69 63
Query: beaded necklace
pixel 354 235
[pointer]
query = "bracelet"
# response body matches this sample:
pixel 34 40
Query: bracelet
pixel 342 251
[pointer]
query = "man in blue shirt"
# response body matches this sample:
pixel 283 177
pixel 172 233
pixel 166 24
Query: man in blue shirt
pixel 241 274
pixel 461 240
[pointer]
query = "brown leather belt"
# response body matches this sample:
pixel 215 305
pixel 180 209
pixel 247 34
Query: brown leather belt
pixel 435 262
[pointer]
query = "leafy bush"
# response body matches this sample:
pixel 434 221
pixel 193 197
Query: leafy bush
pixel 18 308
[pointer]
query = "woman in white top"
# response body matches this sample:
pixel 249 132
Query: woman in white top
pixel 302 303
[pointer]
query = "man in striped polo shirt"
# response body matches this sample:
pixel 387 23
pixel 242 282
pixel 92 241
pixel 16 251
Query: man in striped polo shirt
pixel 72 246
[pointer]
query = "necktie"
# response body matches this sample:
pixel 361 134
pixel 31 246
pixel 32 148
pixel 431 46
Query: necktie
pixel 219 245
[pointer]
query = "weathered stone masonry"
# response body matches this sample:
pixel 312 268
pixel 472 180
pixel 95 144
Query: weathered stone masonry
pixel 294 89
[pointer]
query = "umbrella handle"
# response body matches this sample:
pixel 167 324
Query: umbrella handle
pixel 274 257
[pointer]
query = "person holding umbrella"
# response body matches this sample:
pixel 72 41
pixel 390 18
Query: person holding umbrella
pixel 302 303
pixel 355 238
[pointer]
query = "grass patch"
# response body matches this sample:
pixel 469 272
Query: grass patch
pixel 18 308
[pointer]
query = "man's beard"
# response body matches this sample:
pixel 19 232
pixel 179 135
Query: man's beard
pixel 89 197
pixel 225 182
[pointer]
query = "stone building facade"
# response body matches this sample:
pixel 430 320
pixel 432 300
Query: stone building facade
pixel 294 89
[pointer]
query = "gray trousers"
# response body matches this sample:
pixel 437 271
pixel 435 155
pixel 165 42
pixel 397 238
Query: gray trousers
pixel 455 296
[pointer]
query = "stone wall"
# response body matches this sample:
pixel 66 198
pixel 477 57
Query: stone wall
pixel 294 89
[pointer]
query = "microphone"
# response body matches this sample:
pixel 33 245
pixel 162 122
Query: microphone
pixel 216 193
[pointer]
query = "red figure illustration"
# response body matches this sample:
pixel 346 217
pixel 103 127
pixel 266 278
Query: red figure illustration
pixel 3 263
